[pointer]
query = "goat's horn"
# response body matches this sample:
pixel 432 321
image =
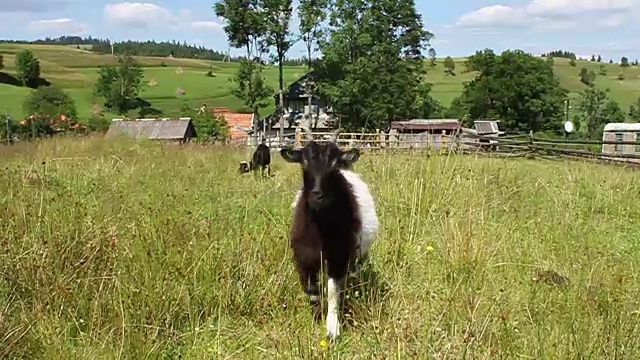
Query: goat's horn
pixel 334 135
pixel 306 130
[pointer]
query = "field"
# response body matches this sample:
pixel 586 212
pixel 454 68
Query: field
pixel 75 70
pixel 141 250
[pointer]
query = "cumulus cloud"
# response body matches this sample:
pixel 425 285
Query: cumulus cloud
pixel 552 14
pixel 63 26
pixel 149 16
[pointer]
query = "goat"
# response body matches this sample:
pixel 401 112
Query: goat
pixel 261 158
pixel 334 221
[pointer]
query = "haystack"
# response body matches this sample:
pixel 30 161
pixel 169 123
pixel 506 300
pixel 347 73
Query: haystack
pixel 97 109
pixel 153 82
pixel 179 70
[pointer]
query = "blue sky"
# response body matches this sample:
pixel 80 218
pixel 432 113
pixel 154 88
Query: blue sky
pixel 585 27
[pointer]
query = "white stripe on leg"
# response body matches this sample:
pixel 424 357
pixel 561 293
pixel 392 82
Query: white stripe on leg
pixel 333 297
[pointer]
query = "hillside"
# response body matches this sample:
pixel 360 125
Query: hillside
pixel 75 70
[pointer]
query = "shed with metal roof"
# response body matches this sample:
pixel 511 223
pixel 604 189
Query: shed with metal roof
pixel 177 129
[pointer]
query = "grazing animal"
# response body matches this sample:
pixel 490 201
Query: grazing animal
pixel 334 221
pixel 260 159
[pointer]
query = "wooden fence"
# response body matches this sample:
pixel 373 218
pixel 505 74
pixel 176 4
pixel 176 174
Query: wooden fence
pixel 517 145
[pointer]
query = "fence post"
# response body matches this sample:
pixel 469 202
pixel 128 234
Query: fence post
pixel 530 140
pixel 443 142
pixel 9 137
pixel 298 141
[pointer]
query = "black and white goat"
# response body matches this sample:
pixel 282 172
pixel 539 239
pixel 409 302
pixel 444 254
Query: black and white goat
pixel 334 221
pixel 260 159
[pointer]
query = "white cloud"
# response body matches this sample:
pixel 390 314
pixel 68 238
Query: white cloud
pixel 149 16
pixel 552 14
pixel 63 26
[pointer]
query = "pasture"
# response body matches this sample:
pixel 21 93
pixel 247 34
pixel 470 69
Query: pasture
pixel 75 70
pixel 144 250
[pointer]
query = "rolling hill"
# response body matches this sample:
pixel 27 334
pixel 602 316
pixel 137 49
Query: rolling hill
pixel 75 69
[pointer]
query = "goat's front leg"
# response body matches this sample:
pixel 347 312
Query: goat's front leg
pixel 334 288
pixel 311 287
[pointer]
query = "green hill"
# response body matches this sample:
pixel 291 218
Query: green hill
pixel 75 70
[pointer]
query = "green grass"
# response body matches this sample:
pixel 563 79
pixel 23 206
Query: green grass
pixel 75 70
pixel 141 250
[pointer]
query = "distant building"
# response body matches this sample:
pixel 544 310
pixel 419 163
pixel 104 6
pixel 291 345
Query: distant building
pixel 431 126
pixel 176 129
pixel 619 132
pixel 240 124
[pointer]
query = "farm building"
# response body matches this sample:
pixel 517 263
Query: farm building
pixel 414 133
pixel 296 99
pixel 240 125
pixel 180 130
pixel 430 126
pixel 620 132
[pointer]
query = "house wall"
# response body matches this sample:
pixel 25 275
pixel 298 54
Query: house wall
pixel 620 136
pixel 299 105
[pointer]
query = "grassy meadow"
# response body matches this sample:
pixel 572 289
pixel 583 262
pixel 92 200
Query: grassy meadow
pixel 145 250
pixel 75 70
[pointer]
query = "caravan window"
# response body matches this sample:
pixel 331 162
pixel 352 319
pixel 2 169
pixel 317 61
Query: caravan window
pixel 619 138
pixel 638 140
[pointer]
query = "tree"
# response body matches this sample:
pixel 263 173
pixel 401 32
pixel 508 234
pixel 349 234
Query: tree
pixel 519 88
pixel 50 101
pixel 593 58
pixel 602 71
pixel 245 26
pixel 208 125
pixel 27 67
pixel 449 66
pixel 587 77
pixel 621 76
pixel 599 58
pixel 597 109
pixel 374 39
pixel 120 85
pixel 610 61
pixel 624 61
pixel 277 15
pixel 634 111
pixel 311 14
pixel 572 62
pixel 432 57
pixel 251 87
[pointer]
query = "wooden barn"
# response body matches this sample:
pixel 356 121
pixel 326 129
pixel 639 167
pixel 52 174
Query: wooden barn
pixel 176 130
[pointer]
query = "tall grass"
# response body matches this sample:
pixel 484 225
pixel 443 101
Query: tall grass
pixel 142 250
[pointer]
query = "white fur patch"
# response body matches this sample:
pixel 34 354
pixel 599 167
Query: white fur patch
pixel 333 296
pixel 366 210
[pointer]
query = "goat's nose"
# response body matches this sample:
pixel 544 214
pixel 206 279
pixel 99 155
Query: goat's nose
pixel 316 194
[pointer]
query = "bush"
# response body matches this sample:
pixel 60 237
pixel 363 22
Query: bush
pixel 51 101
pixel 210 74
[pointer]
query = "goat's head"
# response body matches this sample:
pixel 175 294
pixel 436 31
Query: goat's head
pixel 245 167
pixel 321 163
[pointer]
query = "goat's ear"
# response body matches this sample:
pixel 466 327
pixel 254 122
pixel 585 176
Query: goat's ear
pixel 291 155
pixel 350 156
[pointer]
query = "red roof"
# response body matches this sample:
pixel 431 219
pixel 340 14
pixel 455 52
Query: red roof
pixel 244 121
